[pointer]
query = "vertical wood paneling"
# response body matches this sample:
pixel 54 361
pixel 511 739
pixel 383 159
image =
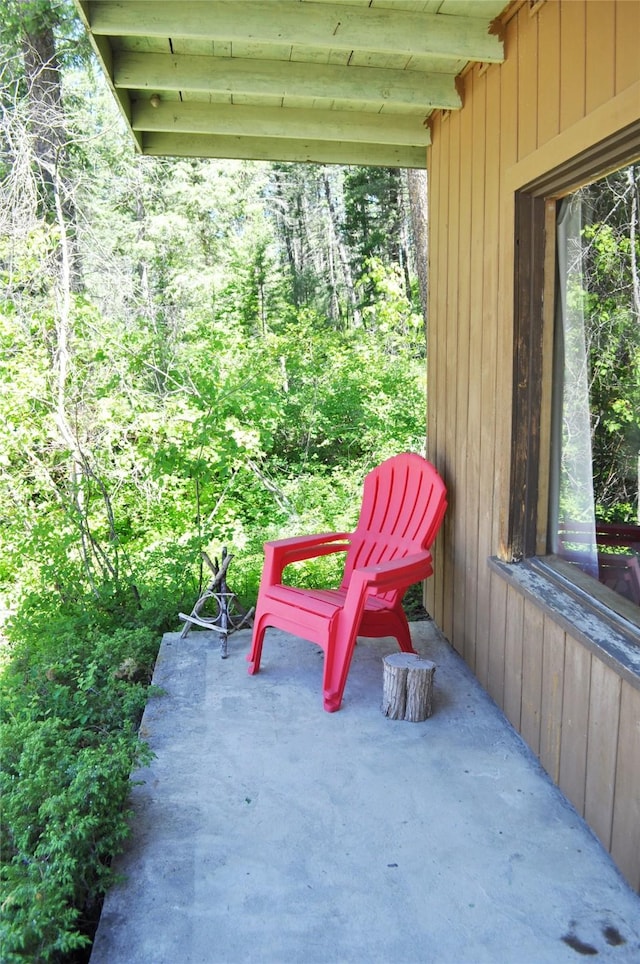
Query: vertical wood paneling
pixel 548 69
pixel 600 59
pixel 532 657
pixel 575 717
pixel 470 404
pixel 450 336
pixel 627 24
pixel 553 653
pixel 572 62
pixel 437 265
pixel 487 407
pixel 434 262
pixel 504 343
pixel 527 115
pixel 437 196
pixel 436 327
pixel 625 844
pixel 574 711
pixel 512 702
pixel 497 629
pixel 602 744
pixel 463 373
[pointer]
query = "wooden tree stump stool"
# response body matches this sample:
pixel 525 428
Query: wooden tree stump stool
pixel 407 687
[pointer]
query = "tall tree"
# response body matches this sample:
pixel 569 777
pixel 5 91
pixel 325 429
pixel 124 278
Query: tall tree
pixel 418 207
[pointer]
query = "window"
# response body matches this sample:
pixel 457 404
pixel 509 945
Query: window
pixel 576 375
pixel 593 511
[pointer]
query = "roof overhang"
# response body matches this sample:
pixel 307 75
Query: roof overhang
pixel 350 82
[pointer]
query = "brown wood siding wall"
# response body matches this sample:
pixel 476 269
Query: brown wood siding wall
pixel 563 62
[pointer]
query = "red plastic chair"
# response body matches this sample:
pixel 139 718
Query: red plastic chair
pixel 403 505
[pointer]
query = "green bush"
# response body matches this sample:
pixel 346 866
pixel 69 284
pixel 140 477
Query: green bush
pixel 71 698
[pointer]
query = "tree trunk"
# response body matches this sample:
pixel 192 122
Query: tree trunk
pixel 43 81
pixel 48 128
pixel 49 142
pixel 407 687
pixel 343 257
pixel 418 206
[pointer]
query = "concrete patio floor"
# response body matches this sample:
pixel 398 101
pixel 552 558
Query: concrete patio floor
pixel 268 831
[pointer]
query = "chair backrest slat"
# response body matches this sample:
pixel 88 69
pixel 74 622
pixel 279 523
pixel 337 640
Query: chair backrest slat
pixel 403 503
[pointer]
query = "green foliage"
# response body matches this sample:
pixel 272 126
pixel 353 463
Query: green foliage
pixel 389 312
pixel 372 212
pixel 604 293
pixel 71 698
pixel 613 339
pixel 20 17
pixel 214 369
pixel 338 392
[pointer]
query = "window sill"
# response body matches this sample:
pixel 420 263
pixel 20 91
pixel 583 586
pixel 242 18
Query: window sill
pixel 612 636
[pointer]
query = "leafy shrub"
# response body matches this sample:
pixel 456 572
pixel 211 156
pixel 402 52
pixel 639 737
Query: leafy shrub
pixel 71 697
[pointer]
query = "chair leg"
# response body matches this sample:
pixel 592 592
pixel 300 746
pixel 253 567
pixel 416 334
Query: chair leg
pixel 337 663
pixel 254 656
pixel 402 633
pixel 339 654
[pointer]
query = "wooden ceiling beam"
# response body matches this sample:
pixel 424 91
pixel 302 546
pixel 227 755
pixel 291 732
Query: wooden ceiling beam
pixel 331 26
pixel 104 53
pixel 281 122
pixel 280 149
pixel 402 88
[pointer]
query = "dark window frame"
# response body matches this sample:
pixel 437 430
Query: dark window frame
pixel 528 356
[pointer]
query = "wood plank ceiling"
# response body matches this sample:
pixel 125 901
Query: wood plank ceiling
pixel 330 81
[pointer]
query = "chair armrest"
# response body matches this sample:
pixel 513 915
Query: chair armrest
pixel 396 574
pixel 281 552
pixel 376 580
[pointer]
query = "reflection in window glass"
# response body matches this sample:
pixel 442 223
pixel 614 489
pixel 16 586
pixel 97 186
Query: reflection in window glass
pixel 595 520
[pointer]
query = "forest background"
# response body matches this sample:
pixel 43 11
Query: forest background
pixel 194 354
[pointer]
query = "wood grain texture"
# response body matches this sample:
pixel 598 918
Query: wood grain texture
pixel 527 111
pixel 407 687
pixel 627 25
pixel 450 335
pixel 602 747
pixel 333 27
pixel 600 28
pixel 487 412
pixel 532 657
pixel 497 635
pixel 508 141
pixel 470 400
pixel 460 387
pixel 513 655
pixel 548 68
pixel 625 842
pixel 437 326
pixel 572 62
pixel 552 693
pixel 575 717
pixel 540 675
